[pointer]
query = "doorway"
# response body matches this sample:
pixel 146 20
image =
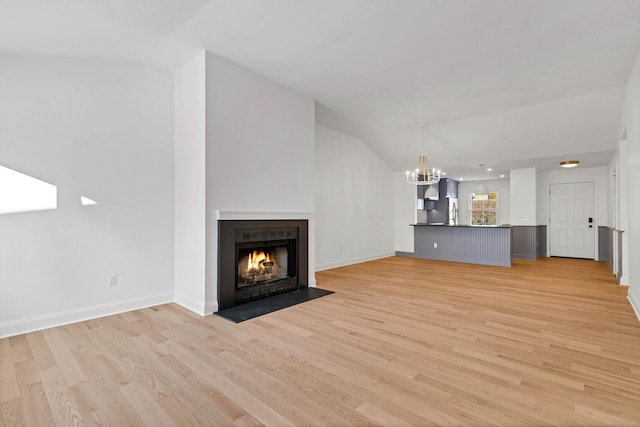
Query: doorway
pixel 571 220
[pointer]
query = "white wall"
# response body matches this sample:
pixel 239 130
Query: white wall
pixel 623 196
pixel 524 198
pixel 565 176
pixel 98 129
pixel 612 209
pixel 190 179
pixel 599 176
pixel 259 153
pixel 354 201
pixel 630 126
pixel 405 213
pixel 500 186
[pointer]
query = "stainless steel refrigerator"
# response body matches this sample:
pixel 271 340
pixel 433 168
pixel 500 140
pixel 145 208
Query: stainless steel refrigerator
pixel 452 211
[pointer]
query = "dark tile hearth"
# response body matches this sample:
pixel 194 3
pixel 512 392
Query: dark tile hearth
pixel 270 304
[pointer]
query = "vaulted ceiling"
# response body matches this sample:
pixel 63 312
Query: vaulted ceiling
pixel 509 83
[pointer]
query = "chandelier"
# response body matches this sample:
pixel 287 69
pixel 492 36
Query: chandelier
pixel 423 175
pixel 481 188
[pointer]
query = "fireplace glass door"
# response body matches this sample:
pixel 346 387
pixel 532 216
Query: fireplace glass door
pixel 266 263
pixel 260 258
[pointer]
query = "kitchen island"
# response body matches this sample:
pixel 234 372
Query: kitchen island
pixel 490 245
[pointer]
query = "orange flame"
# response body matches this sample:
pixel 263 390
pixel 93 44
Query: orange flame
pixel 255 260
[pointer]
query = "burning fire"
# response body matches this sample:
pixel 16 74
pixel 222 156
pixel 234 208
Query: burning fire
pixel 257 262
pixel 257 266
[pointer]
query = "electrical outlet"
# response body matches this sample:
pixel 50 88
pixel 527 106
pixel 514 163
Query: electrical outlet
pixel 435 245
pixel 113 279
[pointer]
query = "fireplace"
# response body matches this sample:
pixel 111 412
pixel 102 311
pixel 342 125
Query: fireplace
pixel 260 258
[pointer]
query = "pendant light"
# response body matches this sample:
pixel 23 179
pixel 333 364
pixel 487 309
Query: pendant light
pixel 424 175
pixel 481 188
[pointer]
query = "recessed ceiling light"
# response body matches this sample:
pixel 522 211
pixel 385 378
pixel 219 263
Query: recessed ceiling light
pixel 461 179
pixel 444 173
pixel 489 169
pixel 569 163
pixel 502 176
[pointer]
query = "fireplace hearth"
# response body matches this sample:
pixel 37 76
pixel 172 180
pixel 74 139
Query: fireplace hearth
pixel 260 258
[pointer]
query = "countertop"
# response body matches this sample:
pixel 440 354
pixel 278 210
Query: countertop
pixel 460 225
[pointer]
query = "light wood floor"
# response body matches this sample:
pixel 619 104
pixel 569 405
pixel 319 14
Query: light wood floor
pixel 402 342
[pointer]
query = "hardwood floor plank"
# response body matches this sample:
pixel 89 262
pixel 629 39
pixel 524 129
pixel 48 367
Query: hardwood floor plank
pixel 86 397
pixel 21 353
pixel 9 383
pixel 163 380
pixel 220 408
pixel 61 401
pixel 115 405
pixel 111 337
pixel 5 348
pixel 40 350
pixel 18 340
pixel 26 373
pixel 98 418
pixel 272 397
pixel 245 400
pixel 11 413
pixel 379 416
pixel 208 415
pixel 179 414
pixel 143 401
pixel 402 341
pixel 246 421
pixel 65 361
pixel 305 379
pixel 36 407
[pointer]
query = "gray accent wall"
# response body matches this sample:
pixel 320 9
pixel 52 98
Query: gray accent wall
pixel 476 245
pixel 602 243
pixel 524 241
pixel 542 241
pixel 605 245
pixel 606 240
pixel 528 241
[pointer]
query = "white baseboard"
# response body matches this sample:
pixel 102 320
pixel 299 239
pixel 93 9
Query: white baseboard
pixel 47 321
pixel 357 260
pixel 634 301
pixel 190 304
pixel 211 307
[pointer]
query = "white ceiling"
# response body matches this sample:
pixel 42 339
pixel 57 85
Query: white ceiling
pixel 509 83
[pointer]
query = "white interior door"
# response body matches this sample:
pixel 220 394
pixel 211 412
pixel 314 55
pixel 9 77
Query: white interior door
pixel 571 220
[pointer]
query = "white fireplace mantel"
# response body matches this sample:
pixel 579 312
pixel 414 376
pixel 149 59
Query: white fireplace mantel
pixel 240 215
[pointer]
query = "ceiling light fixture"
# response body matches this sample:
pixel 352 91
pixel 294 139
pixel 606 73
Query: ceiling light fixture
pixel 481 188
pixel 424 175
pixel 570 163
